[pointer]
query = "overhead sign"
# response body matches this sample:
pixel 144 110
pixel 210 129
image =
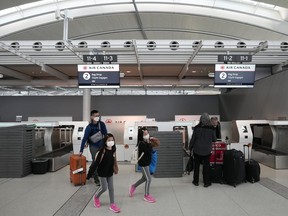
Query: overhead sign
pixel 234 76
pixel 98 76
pixel 234 58
pixel 100 58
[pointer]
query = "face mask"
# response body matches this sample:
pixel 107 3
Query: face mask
pixel 97 118
pixel 110 143
pixel 146 137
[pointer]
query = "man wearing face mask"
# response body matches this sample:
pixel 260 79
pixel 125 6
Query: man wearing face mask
pixel 95 126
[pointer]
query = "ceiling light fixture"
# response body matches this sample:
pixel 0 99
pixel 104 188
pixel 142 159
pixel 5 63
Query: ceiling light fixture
pixel 1 76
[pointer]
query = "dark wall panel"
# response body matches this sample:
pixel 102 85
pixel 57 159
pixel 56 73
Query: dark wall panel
pixel 163 108
pixel 267 100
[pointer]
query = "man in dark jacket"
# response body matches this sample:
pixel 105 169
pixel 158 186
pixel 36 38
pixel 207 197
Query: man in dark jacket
pixel 201 145
pixel 95 126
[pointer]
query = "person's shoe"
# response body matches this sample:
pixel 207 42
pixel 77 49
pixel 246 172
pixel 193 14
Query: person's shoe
pixel 149 198
pixel 195 183
pixel 97 203
pixel 132 190
pixel 207 185
pixel 113 207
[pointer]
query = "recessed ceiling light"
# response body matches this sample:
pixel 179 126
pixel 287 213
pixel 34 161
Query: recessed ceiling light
pixel 193 71
pixel 1 76
pixel 128 71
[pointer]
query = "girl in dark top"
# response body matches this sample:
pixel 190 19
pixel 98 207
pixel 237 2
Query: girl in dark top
pixel 201 145
pixel 145 154
pixel 106 165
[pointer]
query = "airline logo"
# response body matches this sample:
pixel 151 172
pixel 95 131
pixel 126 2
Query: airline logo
pixel 103 67
pixel 108 121
pixel 234 67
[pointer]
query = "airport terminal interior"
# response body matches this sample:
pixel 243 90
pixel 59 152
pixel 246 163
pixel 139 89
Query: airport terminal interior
pixel 154 64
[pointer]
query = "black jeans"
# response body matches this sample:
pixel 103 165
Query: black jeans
pixel 206 168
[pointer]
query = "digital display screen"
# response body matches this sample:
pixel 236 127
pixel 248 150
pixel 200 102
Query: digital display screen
pixel 234 76
pixel 99 79
pixel 98 76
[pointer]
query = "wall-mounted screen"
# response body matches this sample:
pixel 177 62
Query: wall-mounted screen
pixel 234 76
pixel 98 76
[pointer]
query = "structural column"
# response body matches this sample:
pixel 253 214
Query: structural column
pixel 86 104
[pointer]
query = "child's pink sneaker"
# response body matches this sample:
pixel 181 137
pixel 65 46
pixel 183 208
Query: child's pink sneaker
pixel 96 202
pixel 149 198
pixel 132 190
pixel 113 207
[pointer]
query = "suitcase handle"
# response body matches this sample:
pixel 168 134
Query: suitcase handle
pixel 249 145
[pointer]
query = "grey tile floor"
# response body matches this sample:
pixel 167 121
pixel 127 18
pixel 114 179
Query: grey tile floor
pixel 53 194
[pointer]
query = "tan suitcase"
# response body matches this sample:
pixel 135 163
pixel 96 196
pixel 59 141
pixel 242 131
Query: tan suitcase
pixel 77 169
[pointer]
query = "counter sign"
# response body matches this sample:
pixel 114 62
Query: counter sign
pixel 100 58
pixel 234 58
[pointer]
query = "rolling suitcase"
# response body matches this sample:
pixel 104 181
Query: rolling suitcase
pixel 252 167
pixel 216 162
pixel 77 169
pixel 234 167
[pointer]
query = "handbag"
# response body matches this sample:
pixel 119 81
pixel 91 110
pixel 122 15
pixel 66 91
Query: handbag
pixel 97 136
pixel 189 165
pixel 135 156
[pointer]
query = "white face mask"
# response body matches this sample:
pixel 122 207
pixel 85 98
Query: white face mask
pixel 97 118
pixel 146 137
pixel 110 143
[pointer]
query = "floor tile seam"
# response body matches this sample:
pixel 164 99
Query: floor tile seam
pixel 234 201
pixel 174 192
pixel 18 197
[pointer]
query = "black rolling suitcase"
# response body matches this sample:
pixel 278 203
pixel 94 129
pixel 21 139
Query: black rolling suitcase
pixel 216 173
pixel 234 167
pixel 252 167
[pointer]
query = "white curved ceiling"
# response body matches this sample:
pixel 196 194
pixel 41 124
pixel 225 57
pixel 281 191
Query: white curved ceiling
pixel 185 21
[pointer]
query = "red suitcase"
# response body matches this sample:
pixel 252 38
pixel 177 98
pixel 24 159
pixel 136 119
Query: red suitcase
pixel 77 169
pixel 217 153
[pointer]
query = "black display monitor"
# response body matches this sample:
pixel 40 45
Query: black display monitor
pixel 234 76
pixel 101 76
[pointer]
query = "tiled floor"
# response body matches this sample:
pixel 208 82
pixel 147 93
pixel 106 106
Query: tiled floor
pixel 52 193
